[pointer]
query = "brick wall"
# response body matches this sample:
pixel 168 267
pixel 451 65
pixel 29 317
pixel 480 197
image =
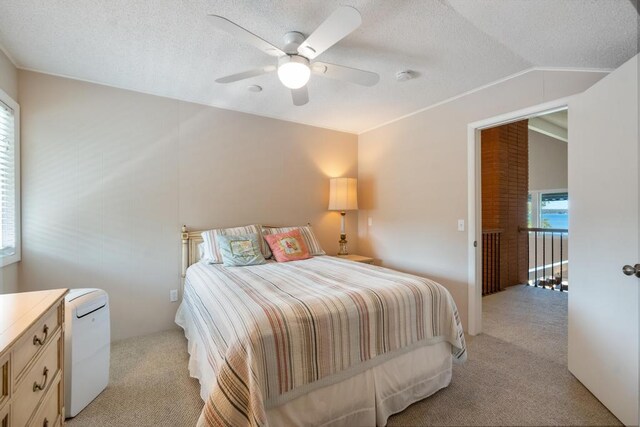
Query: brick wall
pixel 504 195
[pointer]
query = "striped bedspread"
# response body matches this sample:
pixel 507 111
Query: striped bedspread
pixel 275 331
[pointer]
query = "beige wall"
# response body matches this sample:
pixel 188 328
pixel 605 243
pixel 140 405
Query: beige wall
pixel 8 76
pixel 9 84
pixel 547 162
pixel 110 175
pixel 413 178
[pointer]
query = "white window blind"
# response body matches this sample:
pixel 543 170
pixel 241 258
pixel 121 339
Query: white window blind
pixel 7 181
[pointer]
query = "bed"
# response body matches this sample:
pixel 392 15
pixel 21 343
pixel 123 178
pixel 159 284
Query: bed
pixel 322 341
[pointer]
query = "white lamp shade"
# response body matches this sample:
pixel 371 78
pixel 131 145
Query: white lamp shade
pixel 343 194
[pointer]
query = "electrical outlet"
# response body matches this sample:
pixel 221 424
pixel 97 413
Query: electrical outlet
pixel 370 221
pixel 461 225
pixel 173 295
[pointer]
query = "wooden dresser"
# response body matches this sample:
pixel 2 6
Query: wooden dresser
pixel 32 359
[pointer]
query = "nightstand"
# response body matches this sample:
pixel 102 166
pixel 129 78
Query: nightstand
pixel 356 258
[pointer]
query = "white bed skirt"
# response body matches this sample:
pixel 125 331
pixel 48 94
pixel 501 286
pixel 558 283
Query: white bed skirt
pixel 367 398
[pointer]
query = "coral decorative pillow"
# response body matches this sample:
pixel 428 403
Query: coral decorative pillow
pixel 289 246
pixel 307 234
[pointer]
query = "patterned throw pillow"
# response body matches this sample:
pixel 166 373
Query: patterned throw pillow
pixel 211 251
pixel 240 250
pixel 307 234
pixel 289 246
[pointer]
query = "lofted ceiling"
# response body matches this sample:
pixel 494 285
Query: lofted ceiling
pixel 169 48
pixel 553 124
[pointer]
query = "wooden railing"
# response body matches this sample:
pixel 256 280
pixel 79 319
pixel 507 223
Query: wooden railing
pixel 548 260
pixel 491 251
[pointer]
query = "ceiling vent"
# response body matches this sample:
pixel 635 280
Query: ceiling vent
pixel 403 76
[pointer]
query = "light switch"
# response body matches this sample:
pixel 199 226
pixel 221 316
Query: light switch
pixel 370 221
pixel 461 225
pixel 173 295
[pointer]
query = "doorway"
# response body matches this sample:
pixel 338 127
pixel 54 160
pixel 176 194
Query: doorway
pixel 601 354
pixel 524 211
pixel 525 203
pixel 475 235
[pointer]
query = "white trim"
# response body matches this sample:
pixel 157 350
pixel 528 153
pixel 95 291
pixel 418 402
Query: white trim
pixel 474 284
pixel 17 256
pixel 496 82
pixel 544 127
pixel 474 183
pixel 536 210
pixel 552 190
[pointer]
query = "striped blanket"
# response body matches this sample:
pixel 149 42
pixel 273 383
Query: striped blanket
pixel 273 331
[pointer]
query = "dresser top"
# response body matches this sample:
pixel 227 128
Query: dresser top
pixel 19 311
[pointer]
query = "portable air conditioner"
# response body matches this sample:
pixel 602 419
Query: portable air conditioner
pixel 87 346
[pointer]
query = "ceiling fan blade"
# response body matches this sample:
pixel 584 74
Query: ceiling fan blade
pixel 338 25
pixel 246 74
pixel 246 36
pixel 340 72
pixel 300 96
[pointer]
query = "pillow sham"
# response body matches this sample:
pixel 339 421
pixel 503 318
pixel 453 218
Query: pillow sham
pixel 307 235
pixel 240 250
pixel 289 246
pixel 212 252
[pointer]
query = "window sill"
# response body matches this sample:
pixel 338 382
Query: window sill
pixel 6 260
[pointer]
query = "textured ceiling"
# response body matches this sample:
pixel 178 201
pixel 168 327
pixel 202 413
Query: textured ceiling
pixel 168 48
pixel 559 118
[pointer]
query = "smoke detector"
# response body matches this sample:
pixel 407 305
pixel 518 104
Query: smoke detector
pixel 403 76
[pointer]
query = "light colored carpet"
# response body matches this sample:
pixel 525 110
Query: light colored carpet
pixel 531 318
pixel 149 385
pixel 516 375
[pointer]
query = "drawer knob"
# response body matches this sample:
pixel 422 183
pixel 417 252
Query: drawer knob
pixel 38 341
pixel 42 386
pixel 45 423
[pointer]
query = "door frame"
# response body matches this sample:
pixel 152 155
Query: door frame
pixel 474 202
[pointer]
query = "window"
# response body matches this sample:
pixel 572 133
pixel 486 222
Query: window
pixel 548 209
pixel 9 180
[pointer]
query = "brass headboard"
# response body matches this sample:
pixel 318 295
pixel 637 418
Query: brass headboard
pixel 190 241
pixel 190 253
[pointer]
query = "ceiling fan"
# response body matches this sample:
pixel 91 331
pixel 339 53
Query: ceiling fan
pixel 294 59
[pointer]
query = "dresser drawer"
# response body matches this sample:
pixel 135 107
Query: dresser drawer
pixel 49 413
pixel 37 381
pixel 5 380
pixel 4 416
pixel 36 338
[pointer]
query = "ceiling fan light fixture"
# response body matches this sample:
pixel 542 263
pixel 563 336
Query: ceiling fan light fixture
pixel 294 71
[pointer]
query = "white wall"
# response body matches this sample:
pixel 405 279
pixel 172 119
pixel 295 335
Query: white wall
pixel 9 84
pixel 109 176
pixel 547 162
pixel 413 177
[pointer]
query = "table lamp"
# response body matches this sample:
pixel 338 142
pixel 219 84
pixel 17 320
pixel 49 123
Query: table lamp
pixel 343 196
